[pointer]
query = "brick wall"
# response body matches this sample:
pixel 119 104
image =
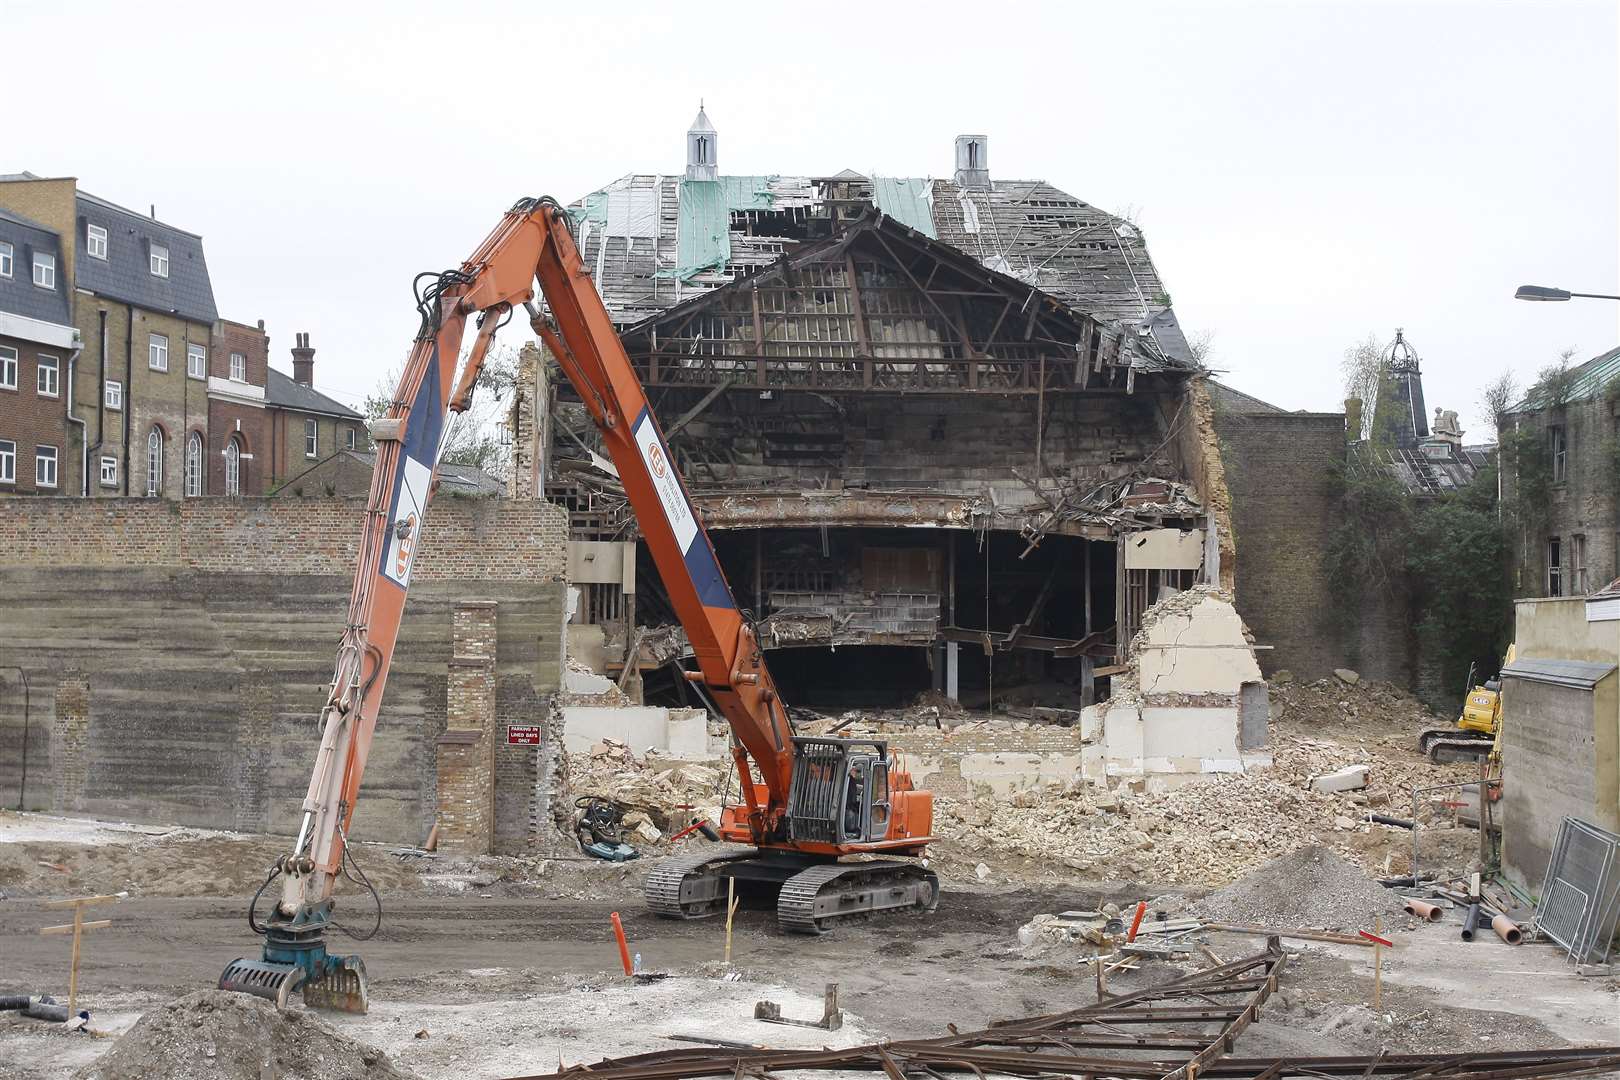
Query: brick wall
pixel 69 737
pixel 1279 470
pixel 104 425
pixel 465 539
pixel 247 425
pixel 30 419
pixel 466 749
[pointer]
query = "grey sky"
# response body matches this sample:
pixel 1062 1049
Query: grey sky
pixel 1305 173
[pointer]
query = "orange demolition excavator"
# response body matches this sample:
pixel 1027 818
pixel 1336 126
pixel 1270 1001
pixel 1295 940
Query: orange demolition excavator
pixel 805 802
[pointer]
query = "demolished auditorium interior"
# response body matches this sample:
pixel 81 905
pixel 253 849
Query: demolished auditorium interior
pixel 947 434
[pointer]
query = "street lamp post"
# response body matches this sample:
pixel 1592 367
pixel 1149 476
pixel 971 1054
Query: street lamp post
pixel 1543 293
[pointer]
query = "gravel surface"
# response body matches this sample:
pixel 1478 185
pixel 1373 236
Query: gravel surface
pixel 1309 888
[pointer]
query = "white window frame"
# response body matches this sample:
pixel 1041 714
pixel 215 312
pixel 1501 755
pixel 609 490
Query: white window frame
pixel 8 368
pixel 159 261
pixel 41 461
pixel 95 242
pixel 157 352
pixel 113 394
pixel 48 365
pixel 1558 448
pixel 8 462
pixel 194 465
pixel 238 367
pixel 1555 566
pixel 348 438
pixel 47 263
pixel 8 259
pixel 312 438
pixel 109 472
pixel 155 449
pixel 196 360
pixel 233 467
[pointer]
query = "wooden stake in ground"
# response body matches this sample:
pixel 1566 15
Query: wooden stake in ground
pixel 1378 965
pixel 731 910
pixel 77 928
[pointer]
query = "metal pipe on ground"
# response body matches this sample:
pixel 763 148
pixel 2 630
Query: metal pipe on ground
pixel 1470 922
pixel 1398 822
pixel 1507 930
pixel 1414 906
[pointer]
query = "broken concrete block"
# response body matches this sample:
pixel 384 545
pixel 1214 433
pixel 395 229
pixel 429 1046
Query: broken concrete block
pixel 1346 676
pixel 981 871
pixel 1343 823
pixel 1349 778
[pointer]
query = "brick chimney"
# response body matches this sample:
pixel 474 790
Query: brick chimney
pixel 303 361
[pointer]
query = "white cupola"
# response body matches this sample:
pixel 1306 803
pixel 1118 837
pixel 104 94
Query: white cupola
pixel 702 143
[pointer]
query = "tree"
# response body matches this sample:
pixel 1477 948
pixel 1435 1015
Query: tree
pixel 1498 399
pixel 1365 372
pixel 476 437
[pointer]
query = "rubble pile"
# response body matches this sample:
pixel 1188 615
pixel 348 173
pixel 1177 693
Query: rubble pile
pixel 661 796
pixel 219 1035
pixel 1215 831
pixel 1309 888
pixel 585 687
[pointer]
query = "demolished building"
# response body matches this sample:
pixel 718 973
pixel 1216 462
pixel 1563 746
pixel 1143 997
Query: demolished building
pixel 949 429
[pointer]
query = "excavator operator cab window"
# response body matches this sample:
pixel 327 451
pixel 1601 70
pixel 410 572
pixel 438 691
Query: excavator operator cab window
pixel 866 799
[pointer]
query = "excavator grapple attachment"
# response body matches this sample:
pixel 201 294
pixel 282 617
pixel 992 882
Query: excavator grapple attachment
pixel 273 982
pixel 343 987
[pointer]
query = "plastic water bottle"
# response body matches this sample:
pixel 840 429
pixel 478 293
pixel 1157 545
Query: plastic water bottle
pixel 637 966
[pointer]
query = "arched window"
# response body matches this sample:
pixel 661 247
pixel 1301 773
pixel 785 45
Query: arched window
pixel 154 462
pixel 702 150
pixel 233 468
pixel 194 465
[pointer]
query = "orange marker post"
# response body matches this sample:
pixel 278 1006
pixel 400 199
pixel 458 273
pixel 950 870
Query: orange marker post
pixel 624 946
pixel 1141 909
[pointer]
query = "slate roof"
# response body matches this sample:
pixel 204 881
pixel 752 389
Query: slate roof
pixel 1091 260
pixel 126 273
pixel 1231 400
pixel 351 471
pixel 281 391
pixel 1579 674
pixel 1587 380
pixel 1434 468
pixel 18 293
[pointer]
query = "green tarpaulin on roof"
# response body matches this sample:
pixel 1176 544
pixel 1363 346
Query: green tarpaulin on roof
pixel 595 209
pixel 906 201
pixel 704 228
pixel 748 192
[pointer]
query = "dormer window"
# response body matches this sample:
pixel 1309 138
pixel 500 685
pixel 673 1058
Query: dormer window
pixel 45 271
pixel 96 242
pixel 160 261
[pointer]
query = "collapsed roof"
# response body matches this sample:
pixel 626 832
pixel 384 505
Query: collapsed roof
pixel 655 241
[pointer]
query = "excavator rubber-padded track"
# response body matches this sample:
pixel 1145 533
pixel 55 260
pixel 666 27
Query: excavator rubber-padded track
pixel 817 899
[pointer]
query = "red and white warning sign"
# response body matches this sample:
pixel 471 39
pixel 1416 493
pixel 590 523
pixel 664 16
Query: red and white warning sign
pixel 523 735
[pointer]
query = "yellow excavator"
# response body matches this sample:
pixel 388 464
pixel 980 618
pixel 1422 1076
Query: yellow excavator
pixel 1478 728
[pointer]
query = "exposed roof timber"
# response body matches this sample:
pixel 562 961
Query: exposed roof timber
pixel 939 271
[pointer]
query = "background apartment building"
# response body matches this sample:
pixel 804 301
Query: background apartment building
pixel 38 348
pixel 143 304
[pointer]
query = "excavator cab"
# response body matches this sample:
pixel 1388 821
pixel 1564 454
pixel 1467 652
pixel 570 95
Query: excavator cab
pixel 840 792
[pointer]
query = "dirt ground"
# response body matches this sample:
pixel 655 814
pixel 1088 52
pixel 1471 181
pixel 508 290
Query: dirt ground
pixel 501 980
